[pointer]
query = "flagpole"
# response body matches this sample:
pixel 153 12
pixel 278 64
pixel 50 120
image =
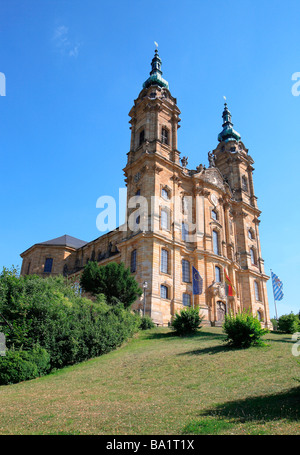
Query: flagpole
pixel 274 296
pixel 193 299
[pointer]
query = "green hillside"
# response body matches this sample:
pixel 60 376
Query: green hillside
pixel 161 384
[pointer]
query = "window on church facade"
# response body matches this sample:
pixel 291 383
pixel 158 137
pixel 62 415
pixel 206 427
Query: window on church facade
pixel 165 193
pixel 142 137
pixel 217 274
pixel 214 215
pixel 164 219
pixel 253 256
pixel 186 271
pixel 186 299
pixel 164 262
pixel 163 291
pixel 184 232
pixel 244 183
pixel 257 291
pixel 216 247
pixel 48 265
pixel 164 136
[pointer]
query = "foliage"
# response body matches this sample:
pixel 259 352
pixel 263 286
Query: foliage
pixel 146 323
pixel 17 366
pixel 274 323
pixel 243 330
pixel 288 323
pixel 48 312
pixel 187 321
pixel 113 280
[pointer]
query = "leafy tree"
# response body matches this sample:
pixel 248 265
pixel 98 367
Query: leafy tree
pixel 288 323
pixel 113 280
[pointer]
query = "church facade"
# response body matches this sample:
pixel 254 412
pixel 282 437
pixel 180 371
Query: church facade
pixel 178 219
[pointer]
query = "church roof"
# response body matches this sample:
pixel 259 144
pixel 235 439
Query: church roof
pixel 65 240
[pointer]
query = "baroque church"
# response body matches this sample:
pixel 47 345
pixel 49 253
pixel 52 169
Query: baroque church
pixel 206 218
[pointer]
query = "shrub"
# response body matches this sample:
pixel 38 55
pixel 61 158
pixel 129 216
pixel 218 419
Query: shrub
pixel 187 321
pixel 17 366
pixel 288 323
pixel 274 323
pixel 47 311
pixel 146 323
pixel 243 330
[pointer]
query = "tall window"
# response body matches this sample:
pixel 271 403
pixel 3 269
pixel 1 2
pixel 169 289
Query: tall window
pixel 163 291
pixel 218 274
pixel 142 137
pixel 165 193
pixel 164 219
pixel 214 215
pixel 253 256
pixel 251 234
pixel 133 262
pixel 186 271
pixel 256 289
pixel 164 262
pixel 164 136
pixel 184 232
pixel 186 299
pixel 216 242
pixel 244 183
pixel 48 265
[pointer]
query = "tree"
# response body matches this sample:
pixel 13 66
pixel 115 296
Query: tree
pixel 113 280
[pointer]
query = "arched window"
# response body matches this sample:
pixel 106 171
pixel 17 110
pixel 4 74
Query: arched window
pixel 259 315
pixel 164 291
pixel 216 248
pixel 186 299
pixel 164 219
pixel 218 274
pixel 48 265
pixel 186 271
pixel 257 291
pixel 133 261
pixel 165 193
pixel 244 183
pixel 164 136
pixel 164 262
pixel 251 234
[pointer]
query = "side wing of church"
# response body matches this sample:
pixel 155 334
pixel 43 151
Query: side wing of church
pixel 205 219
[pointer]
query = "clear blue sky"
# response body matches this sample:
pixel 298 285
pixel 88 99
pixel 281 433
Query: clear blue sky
pixel 73 69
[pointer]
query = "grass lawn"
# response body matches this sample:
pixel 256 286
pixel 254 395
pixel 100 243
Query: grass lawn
pixel 159 384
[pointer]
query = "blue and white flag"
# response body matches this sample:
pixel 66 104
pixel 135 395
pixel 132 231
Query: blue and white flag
pixel 197 282
pixel 277 287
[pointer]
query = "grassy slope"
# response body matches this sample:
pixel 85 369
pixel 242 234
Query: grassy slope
pixel 160 384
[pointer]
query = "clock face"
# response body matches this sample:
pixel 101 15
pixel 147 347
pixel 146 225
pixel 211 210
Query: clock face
pixel 214 199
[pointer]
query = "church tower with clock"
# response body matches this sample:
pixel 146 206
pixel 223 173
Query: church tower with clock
pixel 178 220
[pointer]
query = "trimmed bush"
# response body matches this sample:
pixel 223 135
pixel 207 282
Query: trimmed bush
pixel 187 321
pixel 288 323
pixel 17 366
pixel 146 323
pixel 243 330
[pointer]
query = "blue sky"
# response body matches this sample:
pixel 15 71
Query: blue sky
pixel 73 69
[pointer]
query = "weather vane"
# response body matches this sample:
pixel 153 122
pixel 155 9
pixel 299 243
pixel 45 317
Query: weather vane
pixel 224 98
pixel 156 44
